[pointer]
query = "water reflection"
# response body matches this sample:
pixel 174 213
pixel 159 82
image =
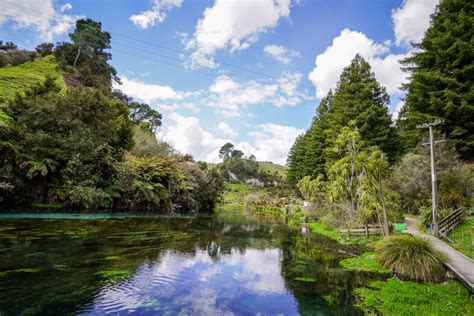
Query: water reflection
pixel 241 282
pixel 208 266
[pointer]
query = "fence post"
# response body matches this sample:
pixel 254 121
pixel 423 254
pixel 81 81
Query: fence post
pixel 366 230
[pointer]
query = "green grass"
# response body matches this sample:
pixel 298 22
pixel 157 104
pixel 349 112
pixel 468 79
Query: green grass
pixel 19 78
pixel 395 297
pixel 365 262
pixel 272 168
pixel 464 245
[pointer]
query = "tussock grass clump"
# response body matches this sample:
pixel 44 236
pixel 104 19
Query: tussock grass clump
pixel 411 258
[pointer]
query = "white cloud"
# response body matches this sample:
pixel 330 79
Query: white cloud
pixel 234 24
pixel 395 114
pixel 179 106
pixel 65 7
pixel 273 142
pixel 412 20
pixel 226 130
pixel 187 136
pixel 281 53
pixel 230 97
pixel 149 93
pixel 156 14
pixel 329 64
pixel 40 16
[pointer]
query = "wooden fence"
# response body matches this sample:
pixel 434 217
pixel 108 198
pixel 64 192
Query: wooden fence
pixel 451 221
pixel 366 230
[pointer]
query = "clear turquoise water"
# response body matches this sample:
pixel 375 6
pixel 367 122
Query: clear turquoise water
pixel 120 264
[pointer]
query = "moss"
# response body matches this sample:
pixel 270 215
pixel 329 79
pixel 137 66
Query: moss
pixel 365 262
pixel 305 279
pixel 395 297
pixel 113 274
pixel 23 270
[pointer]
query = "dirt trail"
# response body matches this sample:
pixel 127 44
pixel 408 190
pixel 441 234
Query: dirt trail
pixel 412 223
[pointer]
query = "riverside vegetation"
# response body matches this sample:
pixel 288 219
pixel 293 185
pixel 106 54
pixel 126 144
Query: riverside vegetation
pixel 353 165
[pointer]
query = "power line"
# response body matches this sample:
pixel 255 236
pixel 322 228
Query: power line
pixel 166 48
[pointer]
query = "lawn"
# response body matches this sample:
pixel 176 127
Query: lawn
pixel 462 237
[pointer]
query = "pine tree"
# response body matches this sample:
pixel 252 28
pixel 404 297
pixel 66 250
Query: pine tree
pixel 296 161
pixel 442 78
pixel 360 98
pixel 315 159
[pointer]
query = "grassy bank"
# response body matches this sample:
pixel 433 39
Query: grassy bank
pixel 462 237
pixel 395 297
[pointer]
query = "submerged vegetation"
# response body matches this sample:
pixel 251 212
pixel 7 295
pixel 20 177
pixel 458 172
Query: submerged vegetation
pixel 366 262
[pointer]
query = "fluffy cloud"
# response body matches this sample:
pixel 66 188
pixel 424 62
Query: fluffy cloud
pixel 40 16
pixel 412 19
pixel 187 136
pixel 230 97
pixel 150 93
pixel 234 24
pixel 281 53
pixel 329 64
pixel 273 142
pixel 226 130
pixel 156 14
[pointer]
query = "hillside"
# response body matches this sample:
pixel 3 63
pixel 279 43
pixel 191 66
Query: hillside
pixel 270 167
pixel 18 78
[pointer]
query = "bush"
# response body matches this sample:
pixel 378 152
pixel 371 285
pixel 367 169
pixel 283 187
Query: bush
pixel 426 215
pixel 411 258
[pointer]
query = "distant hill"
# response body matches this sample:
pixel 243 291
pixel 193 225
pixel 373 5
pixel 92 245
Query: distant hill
pixel 271 167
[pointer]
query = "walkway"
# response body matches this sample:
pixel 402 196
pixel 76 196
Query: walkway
pixel 459 264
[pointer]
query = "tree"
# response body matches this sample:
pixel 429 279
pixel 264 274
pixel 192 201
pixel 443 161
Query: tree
pixel 226 151
pixel 296 161
pixel 360 98
pixel 7 46
pixel 45 49
pixel 89 39
pixel 316 144
pixel 442 78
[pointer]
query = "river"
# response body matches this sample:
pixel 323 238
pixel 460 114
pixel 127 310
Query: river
pixel 224 264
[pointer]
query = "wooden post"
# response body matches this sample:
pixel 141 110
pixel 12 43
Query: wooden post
pixel 366 230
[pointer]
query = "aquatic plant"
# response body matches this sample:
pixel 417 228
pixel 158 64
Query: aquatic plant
pixel 411 258
pixel 305 279
pixel 366 262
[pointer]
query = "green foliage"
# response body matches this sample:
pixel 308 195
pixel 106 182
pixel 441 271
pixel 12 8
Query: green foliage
pixel 366 262
pixel 305 279
pixel 442 77
pixel 18 79
pixel 395 297
pixel 412 179
pixel 426 215
pixel 322 229
pixel 411 258
pixel 359 98
pixel 462 237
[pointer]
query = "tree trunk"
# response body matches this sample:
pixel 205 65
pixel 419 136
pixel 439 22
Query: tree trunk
pixel 382 200
pixel 77 56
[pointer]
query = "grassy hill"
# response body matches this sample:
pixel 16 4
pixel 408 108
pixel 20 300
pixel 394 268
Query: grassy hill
pixel 272 168
pixel 19 78
pixel 16 79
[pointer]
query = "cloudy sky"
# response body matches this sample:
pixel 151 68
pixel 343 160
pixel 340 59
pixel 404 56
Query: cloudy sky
pixel 247 71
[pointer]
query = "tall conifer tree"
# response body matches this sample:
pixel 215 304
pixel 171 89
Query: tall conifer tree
pixel 442 78
pixel 361 99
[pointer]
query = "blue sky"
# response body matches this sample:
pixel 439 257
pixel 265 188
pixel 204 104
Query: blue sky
pixel 267 62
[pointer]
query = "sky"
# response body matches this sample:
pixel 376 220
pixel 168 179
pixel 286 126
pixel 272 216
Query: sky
pixel 250 72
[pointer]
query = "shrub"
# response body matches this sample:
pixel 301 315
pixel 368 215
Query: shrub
pixel 426 215
pixel 411 258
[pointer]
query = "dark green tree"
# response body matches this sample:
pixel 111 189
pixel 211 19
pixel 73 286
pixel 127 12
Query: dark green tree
pixel 360 98
pixel 316 143
pixel 442 78
pixel 89 39
pixel 226 151
pixel 297 169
